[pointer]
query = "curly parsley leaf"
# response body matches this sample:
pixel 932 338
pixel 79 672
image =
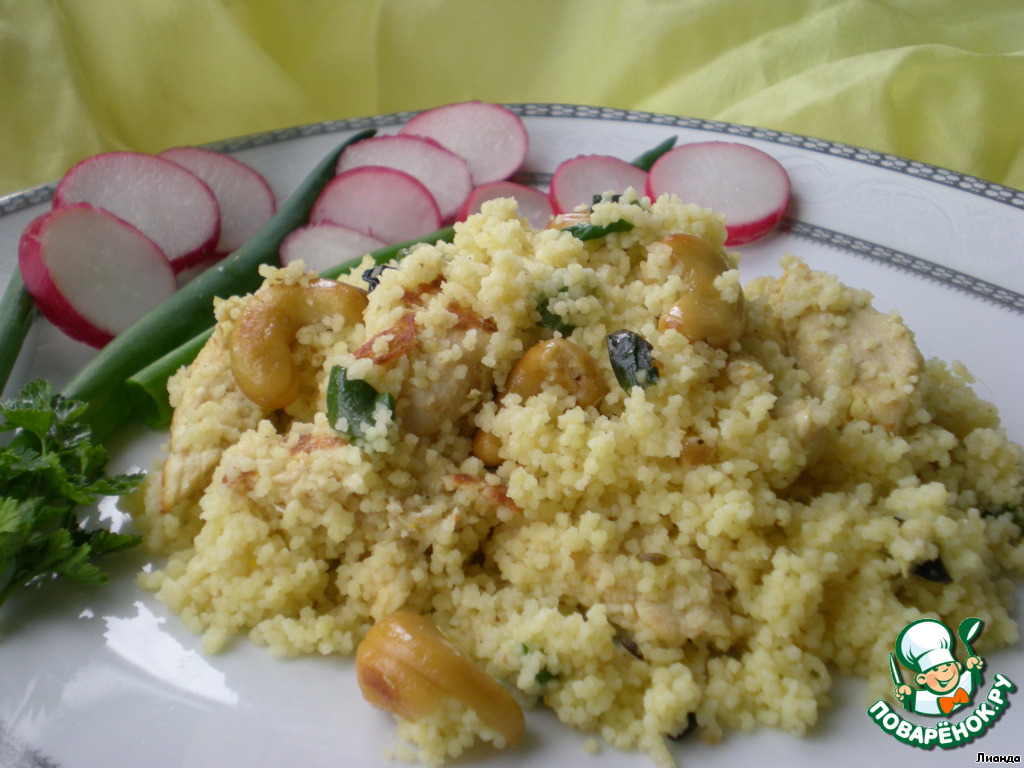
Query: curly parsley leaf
pixel 49 468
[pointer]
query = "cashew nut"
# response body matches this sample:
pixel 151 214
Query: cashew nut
pixel 261 341
pixel 406 666
pixel 557 363
pixel 487 448
pixel 701 314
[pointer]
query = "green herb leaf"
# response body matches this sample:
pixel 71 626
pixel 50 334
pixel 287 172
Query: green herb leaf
pixel 630 356
pixel 355 401
pixel 932 570
pixel 596 231
pixel 1015 511
pixel 549 319
pixel 372 275
pixel 545 676
pixel 48 469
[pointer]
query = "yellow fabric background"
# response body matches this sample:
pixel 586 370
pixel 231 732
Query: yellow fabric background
pixel 940 81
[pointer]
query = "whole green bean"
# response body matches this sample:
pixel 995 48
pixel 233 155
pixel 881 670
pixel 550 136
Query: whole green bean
pixel 102 382
pixel 17 310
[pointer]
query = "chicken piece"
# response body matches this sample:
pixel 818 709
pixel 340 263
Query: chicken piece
pixel 671 626
pixel 864 355
pixel 694 610
pixel 455 388
pixel 446 380
pixel 210 414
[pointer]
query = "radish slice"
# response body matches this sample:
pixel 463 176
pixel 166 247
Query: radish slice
pixel 244 197
pixel 749 187
pixel 533 204
pixel 325 245
pixel 90 273
pixel 443 173
pixel 169 204
pixel 384 203
pixel 576 181
pixel 491 138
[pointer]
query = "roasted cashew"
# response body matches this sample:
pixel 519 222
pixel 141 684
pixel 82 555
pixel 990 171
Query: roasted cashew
pixel 261 341
pixel 700 313
pixel 407 667
pixel 557 363
pixel 487 448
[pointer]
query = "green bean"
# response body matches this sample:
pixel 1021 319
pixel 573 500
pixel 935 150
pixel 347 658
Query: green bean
pixel 148 388
pixel 648 158
pixel 17 310
pixel 103 382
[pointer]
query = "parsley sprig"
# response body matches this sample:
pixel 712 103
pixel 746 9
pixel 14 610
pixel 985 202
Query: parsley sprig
pixel 49 468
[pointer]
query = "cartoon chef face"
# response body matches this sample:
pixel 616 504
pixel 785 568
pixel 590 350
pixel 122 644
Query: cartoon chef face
pixel 941 678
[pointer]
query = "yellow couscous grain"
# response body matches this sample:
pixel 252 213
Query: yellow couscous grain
pixel 707 550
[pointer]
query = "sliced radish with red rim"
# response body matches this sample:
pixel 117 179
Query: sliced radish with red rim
pixel 90 273
pixel 384 203
pixel 244 197
pixel 442 172
pixel 576 181
pixel 492 138
pixel 747 186
pixel 533 204
pixel 169 204
pixel 326 245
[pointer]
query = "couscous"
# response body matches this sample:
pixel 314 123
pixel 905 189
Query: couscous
pixel 620 480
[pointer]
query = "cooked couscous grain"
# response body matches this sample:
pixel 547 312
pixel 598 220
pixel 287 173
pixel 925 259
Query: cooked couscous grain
pixel 709 548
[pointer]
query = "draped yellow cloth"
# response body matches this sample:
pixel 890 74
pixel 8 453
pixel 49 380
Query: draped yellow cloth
pixel 941 81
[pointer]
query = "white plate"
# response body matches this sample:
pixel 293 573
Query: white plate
pixel 92 678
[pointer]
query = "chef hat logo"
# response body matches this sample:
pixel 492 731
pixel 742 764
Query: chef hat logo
pixel 924 644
